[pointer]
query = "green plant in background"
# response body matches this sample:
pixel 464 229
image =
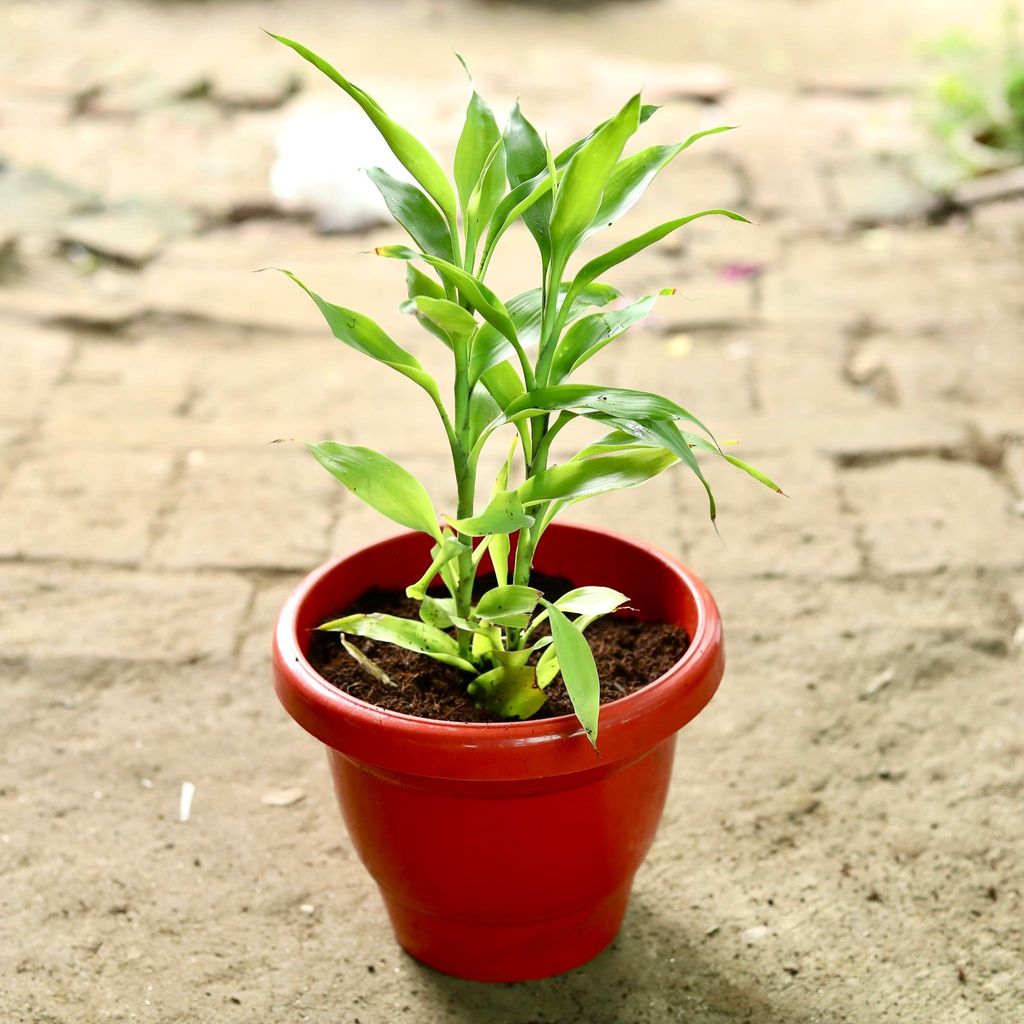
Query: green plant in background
pixel 513 363
pixel 976 102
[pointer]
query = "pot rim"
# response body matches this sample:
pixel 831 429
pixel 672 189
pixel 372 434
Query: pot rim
pixel 339 719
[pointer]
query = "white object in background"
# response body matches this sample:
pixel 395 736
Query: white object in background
pixel 188 791
pixel 322 150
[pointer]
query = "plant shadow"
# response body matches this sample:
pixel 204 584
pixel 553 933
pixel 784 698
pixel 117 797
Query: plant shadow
pixel 654 971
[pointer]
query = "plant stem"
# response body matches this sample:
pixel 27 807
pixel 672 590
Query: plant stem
pixel 465 476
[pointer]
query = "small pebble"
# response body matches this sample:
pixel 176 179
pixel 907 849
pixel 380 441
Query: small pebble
pixel 879 683
pixel 283 797
pixel 755 934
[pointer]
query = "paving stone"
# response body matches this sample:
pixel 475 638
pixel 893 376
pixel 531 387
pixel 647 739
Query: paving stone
pixel 254 85
pixel 991 188
pixel 52 612
pixel 1015 466
pixel 257 508
pixel 120 395
pixel 650 512
pixel 132 235
pixel 880 193
pixel 921 280
pixel 767 534
pixel 83 505
pixel 213 279
pixel 956 371
pixel 709 373
pixel 33 359
pixel 9 264
pixel 805 378
pixel 928 515
pixel 58 293
pixel 32 202
pixel 131 90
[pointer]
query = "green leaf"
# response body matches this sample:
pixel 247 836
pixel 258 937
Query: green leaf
pixel 671 438
pixel 483 411
pixel 491 347
pixel 508 690
pixel 457 323
pixel 508 605
pixel 415 212
pixel 602 264
pixel 585 601
pixel 631 176
pixel 485 198
pixel 504 514
pixel 587 477
pixel 411 153
pixel 579 670
pixel 578 197
pixel 480 297
pixel 593 400
pixel 699 442
pixel 479 134
pixel 362 334
pixel 586 336
pixel 591 601
pixel 382 484
pixel 407 633
pixel 417 283
pixel 448 550
pixel 437 611
pixel 526 161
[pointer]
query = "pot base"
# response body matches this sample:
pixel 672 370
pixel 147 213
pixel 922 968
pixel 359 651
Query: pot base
pixel 513 951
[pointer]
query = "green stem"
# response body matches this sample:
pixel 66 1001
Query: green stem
pixel 465 476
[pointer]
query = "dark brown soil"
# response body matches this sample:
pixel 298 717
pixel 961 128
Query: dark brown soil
pixel 629 655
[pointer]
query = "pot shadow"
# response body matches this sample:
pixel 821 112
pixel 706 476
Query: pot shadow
pixel 653 971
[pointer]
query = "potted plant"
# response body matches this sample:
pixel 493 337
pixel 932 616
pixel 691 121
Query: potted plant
pixel 502 808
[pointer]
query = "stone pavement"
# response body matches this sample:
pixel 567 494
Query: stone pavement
pixel 843 839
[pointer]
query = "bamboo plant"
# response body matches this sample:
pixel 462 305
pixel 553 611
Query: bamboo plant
pixel 515 364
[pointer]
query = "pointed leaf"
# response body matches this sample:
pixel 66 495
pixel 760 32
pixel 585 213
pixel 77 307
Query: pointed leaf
pixel 412 154
pixel 457 323
pixel 526 160
pixel 407 633
pixel 479 134
pixel 482 299
pixel 382 484
pixel 526 311
pixel 586 336
pixel 578 196
pixel 579 670
pixel 362 334
pixel 592 399
pixel 504 514
pixel 510 600
pixel 588 477
pixel 602 264
pixel 631 176
pixel 448 550
pixel 415 212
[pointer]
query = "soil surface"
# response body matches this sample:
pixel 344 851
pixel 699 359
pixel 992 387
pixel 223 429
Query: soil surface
pixel 629 655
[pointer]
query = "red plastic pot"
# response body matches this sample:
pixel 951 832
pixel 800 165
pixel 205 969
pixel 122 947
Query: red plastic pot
pixel 504 851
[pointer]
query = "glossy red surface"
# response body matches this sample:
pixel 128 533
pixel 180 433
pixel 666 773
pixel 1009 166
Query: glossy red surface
pixel 504 851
